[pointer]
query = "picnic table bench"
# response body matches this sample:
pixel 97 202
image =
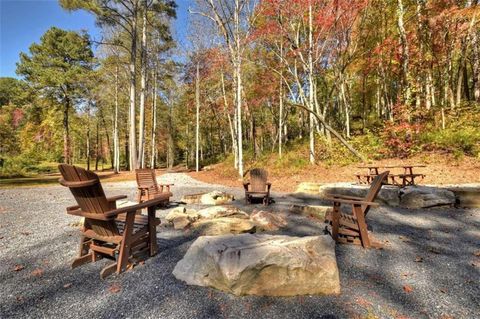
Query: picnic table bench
pixel 405 179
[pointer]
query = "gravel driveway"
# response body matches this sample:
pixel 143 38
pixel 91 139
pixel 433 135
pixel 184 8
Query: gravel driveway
pixel 428 269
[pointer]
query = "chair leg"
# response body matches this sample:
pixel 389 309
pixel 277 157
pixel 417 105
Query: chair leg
pixel 335 220
pixel 152 232
pixel 108 270
pixel 125 244
pixel 362 225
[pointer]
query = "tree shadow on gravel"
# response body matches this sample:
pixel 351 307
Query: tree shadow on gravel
pixel 373 281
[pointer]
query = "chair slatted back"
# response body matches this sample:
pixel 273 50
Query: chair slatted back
pixel 258 180
pixel 146 178
pixel 375 187
pixel 88 192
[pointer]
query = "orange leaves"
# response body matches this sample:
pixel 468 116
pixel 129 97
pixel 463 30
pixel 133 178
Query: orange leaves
pixel 37 272
pixel 408 289
pixel 18 267
pixel 115 288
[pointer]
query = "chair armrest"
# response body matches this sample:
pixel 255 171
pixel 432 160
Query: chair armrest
pixel 80 213
pixel 166 184
pixel 245 185
pixel 129 209
pixel 72 208
pixel 269 185
pixel 353 202
pixel 115 198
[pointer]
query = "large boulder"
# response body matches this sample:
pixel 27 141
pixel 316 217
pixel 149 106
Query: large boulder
pixel 314 211
pixel 212 198
pixel 263 265
pixel 425 197
pixel 268 221
pixel 181 217
pixel 388 195
pixel 308 188
pixel 222 211
pixel 223 225
pixel 467 196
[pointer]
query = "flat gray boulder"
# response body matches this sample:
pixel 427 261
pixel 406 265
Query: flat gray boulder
pixel 425 197
pixel 265 265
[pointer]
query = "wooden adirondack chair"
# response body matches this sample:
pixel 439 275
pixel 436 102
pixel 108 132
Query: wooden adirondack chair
pixel 115 233
pixel 148 188
pixel 352 228
pixel 257 186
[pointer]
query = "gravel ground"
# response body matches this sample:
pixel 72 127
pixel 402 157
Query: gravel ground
pixel 428 269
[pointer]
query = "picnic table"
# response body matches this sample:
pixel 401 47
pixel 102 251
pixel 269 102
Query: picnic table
pixel 407 178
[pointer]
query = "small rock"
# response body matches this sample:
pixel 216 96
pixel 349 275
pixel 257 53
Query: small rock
pixel 216 198
pixel 268 221
pixel 212 198
pixel 223 225
pixel 181 217
pixel 222 211
pixel 317 212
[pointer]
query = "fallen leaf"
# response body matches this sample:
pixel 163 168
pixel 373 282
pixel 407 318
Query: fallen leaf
pixel 26 233
pixel 114 288
pixel 19 298
pixel 434 250
pixel 18 267
pixel 405 274
pixel 419 259
pixel 407 289
pixel 476 253
pixel 363 302
pixel 37 272
pixel 443 290
pixel 67 285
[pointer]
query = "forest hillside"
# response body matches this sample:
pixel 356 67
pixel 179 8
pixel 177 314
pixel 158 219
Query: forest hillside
pixel 308 89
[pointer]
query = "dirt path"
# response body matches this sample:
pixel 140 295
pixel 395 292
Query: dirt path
pixel 427 270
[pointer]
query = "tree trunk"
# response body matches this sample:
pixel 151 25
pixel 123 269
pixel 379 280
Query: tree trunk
pixel 154 120
pixel 238 75
pixel 143 64
pixel 311 86
pixel 197 122
pixel 405 52
pixel 116 144
pixel 88 137
pixel 97 150
pixel 231 125
pixel 132 145
pixel 66 132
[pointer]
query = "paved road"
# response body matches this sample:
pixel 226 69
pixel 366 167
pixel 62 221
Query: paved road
pixel 430 253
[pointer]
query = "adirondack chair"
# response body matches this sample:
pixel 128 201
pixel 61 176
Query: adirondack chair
pixel 109 232
pixel 352 228
pixel 257 186
pixel 148 188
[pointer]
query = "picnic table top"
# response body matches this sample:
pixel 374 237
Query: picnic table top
pixel 392 166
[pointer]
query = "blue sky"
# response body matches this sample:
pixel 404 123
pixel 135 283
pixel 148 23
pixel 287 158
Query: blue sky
pixel 23 22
